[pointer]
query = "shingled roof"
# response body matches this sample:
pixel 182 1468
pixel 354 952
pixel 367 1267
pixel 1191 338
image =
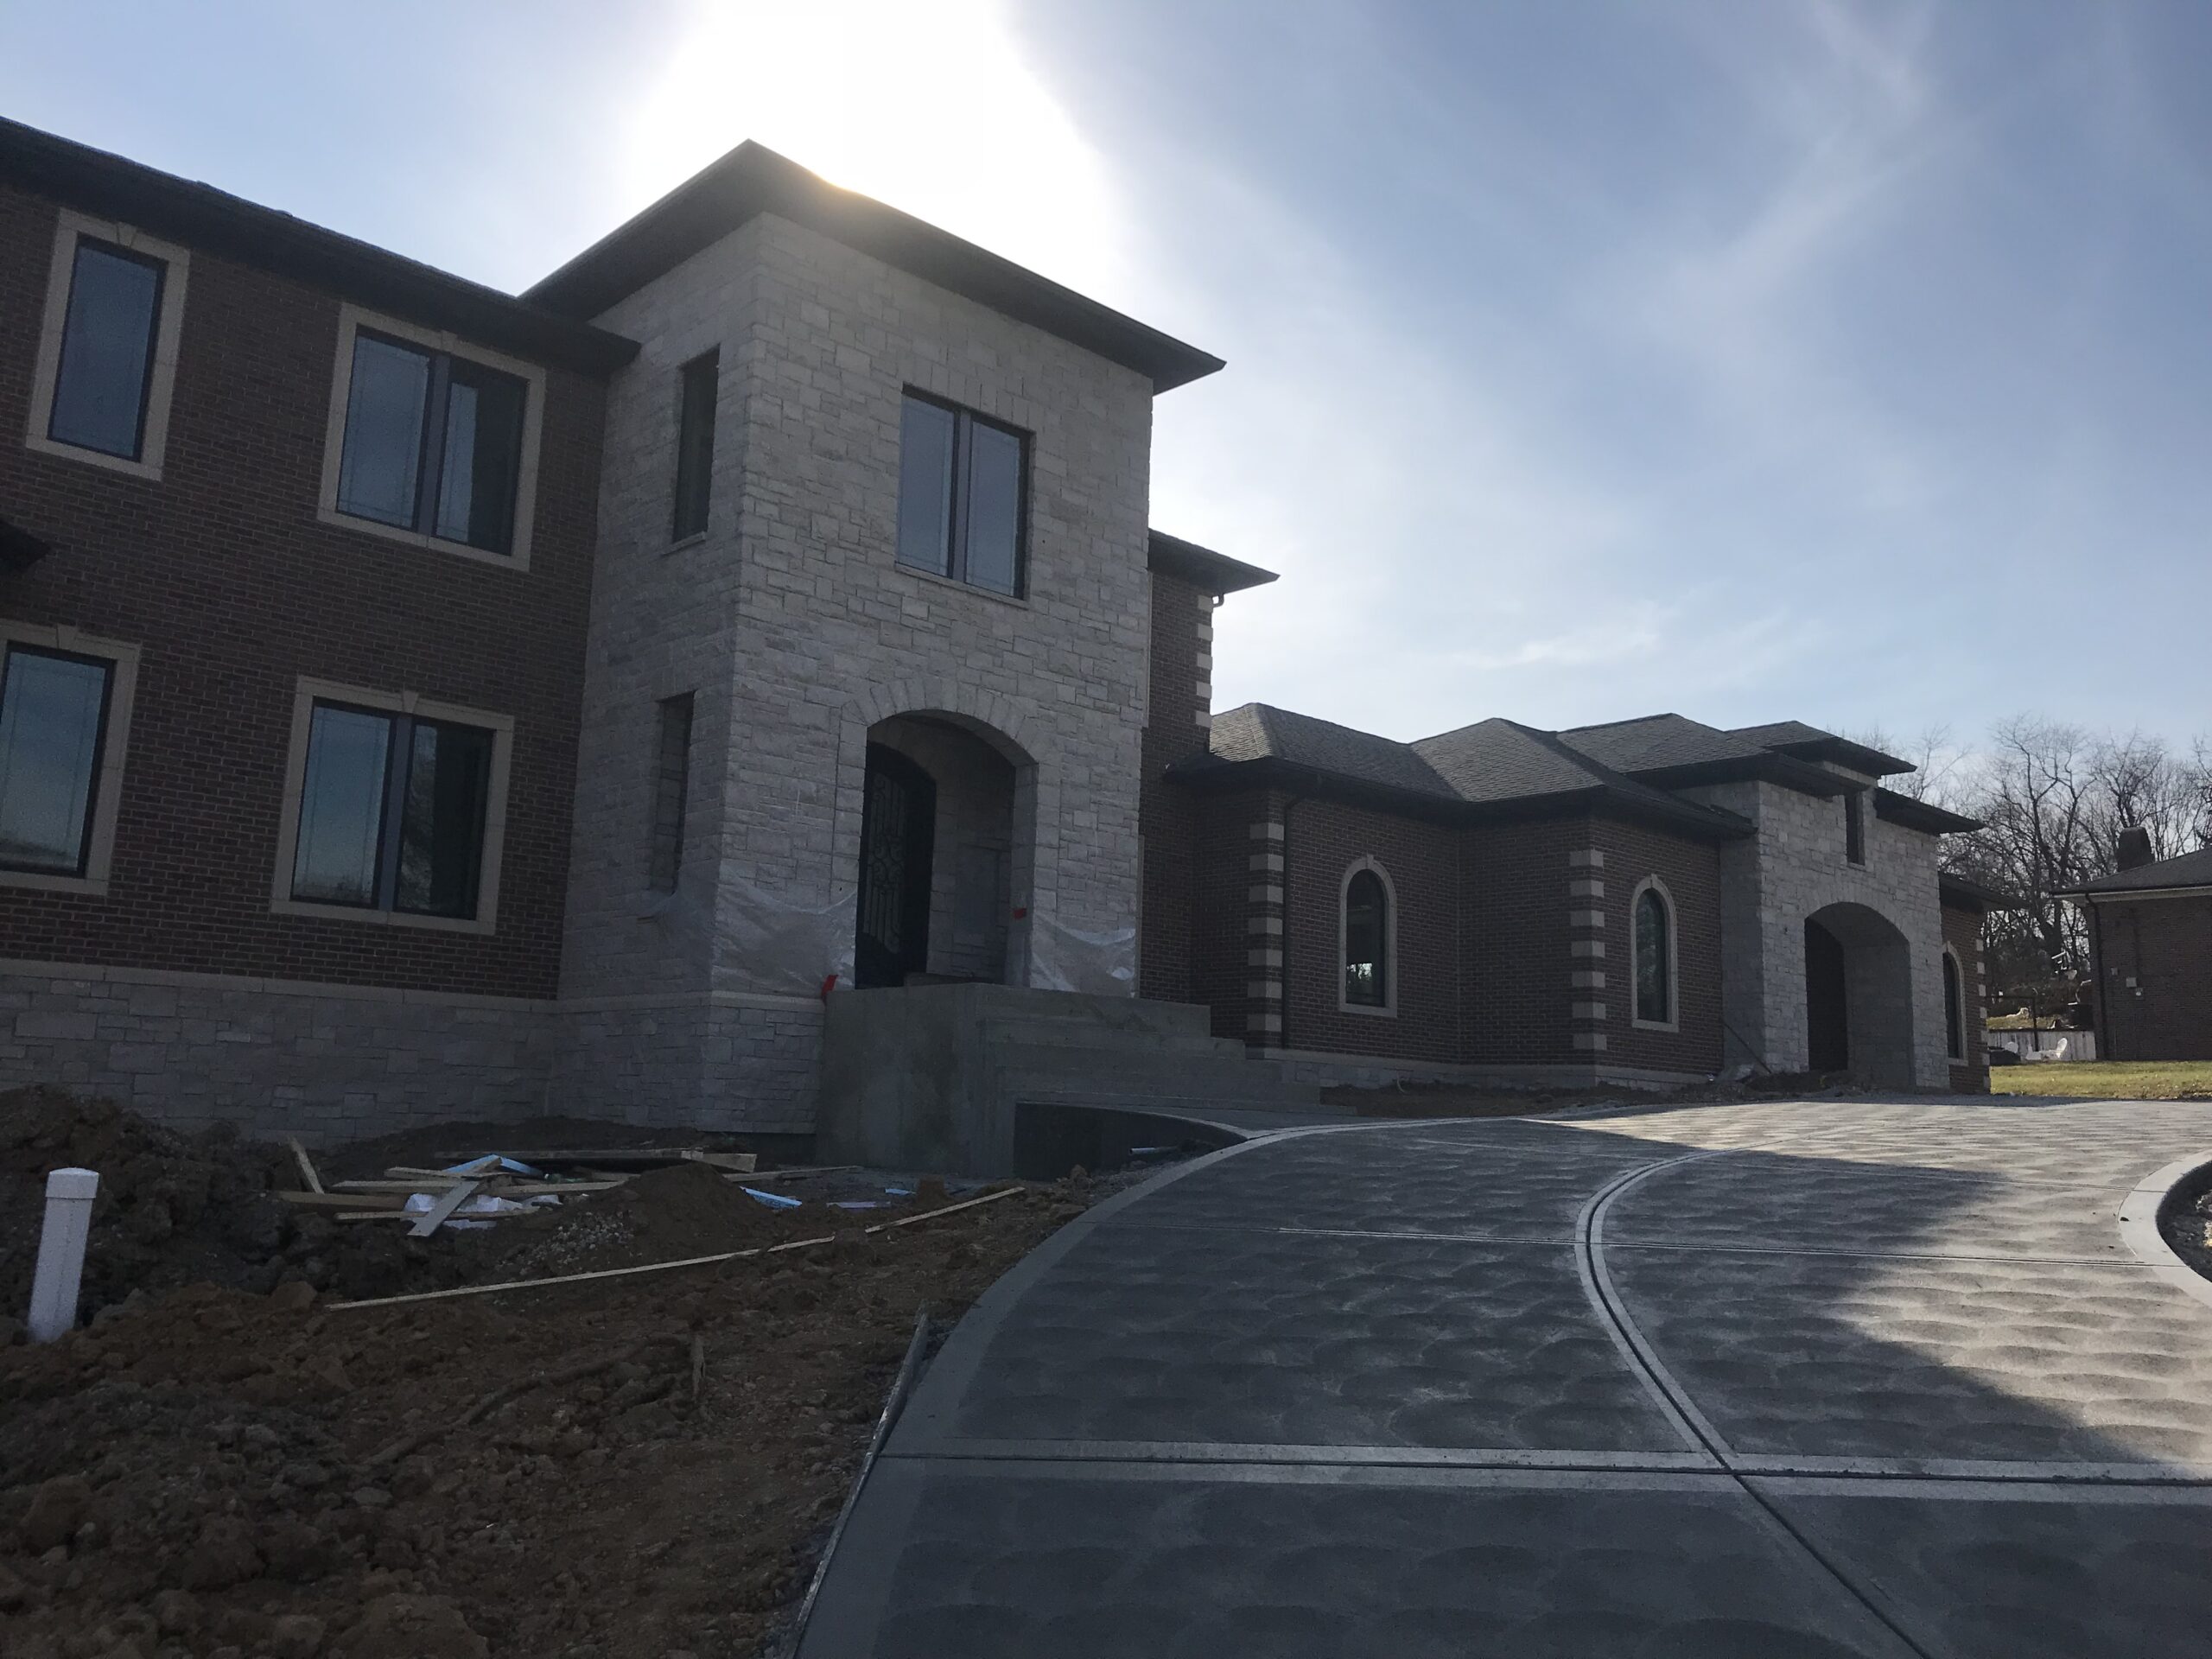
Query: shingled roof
pixel 1496 767
pixel 1671 751
pixel 1794 737
pixel 2189 870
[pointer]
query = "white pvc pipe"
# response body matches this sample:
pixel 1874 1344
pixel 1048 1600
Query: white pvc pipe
pixel 62 1252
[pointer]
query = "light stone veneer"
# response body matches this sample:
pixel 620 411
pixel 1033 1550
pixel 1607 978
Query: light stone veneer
pixel 1794 866
pixel 792 625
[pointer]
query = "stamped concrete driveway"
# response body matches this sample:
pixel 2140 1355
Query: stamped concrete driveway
pixel 1796 1379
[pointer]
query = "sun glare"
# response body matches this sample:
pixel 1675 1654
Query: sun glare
pixel 928 106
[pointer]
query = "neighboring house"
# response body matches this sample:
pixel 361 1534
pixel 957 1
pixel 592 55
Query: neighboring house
pixel 421 701
pixel 1651 901
pixel 2150 948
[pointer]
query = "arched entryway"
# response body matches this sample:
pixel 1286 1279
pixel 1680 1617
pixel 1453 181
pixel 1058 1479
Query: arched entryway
pixel 943 873
pixel 1859 997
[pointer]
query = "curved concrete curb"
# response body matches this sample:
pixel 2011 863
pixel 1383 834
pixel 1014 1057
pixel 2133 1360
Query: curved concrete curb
pixel 2139 1213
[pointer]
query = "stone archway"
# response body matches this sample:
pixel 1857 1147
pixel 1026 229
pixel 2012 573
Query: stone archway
pixel 938 807
pixel 1858 1016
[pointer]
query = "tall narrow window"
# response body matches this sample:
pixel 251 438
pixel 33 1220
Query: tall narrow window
pixel 104 375
pixel 1367 928
pixel 1655 959
pixel 433 443
pixel 1854 825
pixel 671 786
pixel 962 484
pixel 391 812
pixel 53 720
pixel 1954 1011
pixel 694 443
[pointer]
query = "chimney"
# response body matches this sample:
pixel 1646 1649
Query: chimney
pixel 2133 849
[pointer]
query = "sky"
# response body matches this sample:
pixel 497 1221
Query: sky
pixel 1833 361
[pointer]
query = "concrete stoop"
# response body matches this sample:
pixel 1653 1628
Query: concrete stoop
pixel 979 1080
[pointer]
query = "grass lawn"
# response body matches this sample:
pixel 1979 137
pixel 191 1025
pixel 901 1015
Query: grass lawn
pixel 2109 1080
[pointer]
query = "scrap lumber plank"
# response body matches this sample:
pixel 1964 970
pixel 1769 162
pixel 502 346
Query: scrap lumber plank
pixel 742 1162
pixel 610 1157
pixel 307 1164
pixel 932 1214
pixel 803 1172
pixel 344 1200
pixel 438 1212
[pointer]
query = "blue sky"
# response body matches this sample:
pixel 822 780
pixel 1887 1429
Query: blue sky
pixel 1841 362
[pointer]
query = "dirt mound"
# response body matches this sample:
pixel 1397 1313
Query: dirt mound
pixel 176 1209
pixel 615 1470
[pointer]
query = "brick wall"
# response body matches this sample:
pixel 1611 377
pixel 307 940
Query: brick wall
pixel 2165 946
pixel 1322 841
pixel 1962 933
pixel 1689 871
pixel 222 574
pixel 1174 730
pixel 1517 946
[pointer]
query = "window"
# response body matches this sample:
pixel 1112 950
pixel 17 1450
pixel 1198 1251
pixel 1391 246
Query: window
pixel 394 809
pixel 962 479
pixel 1954 1012
pixel 672 784
pixel 108 355
pixel 1367 928
pixel 694 443
pixel 1653 922
pixel 1854 825
pixel 53 717
pixel 431 443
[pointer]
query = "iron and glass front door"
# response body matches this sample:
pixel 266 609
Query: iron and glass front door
pixel 897 833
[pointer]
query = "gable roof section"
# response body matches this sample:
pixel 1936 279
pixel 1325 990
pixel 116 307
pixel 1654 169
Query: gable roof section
pixel 1795 738
pixel 201 217
pixel 1672 751
pixel 1495 768
pixel 1202 568
pixel 2190 870
pixel 752 180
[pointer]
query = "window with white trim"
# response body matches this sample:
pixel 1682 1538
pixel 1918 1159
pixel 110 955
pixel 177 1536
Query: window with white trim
pixel 394 809
pixel 1367 941
pixel 432 440
pixel 1954 1010
pixel 107 354
pixel 1652 927
pixel 65 706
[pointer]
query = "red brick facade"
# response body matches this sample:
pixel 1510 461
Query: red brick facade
pixel 2163 945
pixel 1962 933
pixel 1483 930
pixel 222 575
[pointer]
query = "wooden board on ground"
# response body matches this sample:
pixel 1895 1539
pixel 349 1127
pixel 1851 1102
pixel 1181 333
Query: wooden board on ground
pixel 307 1165
pixel 637 1157
pixel 436 1215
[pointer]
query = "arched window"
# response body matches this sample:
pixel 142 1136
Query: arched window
pixel 1367 940
pixel 1954 1010
pixel 1654 924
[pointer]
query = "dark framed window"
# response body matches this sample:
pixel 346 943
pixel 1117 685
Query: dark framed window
pixel 433 443
pixel 54 713
pixel 1655 959
pixel 104 377
pixel 672 786
pixel 1367 929
pixel 392 811
pixel 963 505
pixel 697 382
pixel 1854 825
pixel 1955 1009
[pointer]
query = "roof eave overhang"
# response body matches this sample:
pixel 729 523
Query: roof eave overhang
pixel 1920 815
pixel 1216 573
pixel 1769 767
pixel 2101 895
pixel 201 217
pixel 752 180
pixel 1599 800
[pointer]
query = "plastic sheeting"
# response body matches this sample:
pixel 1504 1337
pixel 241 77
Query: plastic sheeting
pixel 1069 959
pixel 757 941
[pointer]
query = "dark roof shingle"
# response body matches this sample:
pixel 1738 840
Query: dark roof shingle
pixel 2188 870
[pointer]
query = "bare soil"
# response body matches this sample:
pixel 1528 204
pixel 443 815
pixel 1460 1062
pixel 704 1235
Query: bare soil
pixel 636 1467
pixel 2187 1222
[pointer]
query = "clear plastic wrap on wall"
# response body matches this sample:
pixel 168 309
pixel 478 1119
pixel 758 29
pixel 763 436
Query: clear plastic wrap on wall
pixel 757 941
pixel 1068 959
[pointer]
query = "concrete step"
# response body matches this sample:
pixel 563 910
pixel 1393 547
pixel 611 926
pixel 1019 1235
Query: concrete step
pixel 1024 1072
pixel 1018 1032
